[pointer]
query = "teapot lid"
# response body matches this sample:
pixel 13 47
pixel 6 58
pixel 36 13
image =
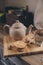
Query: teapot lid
pixel 18 24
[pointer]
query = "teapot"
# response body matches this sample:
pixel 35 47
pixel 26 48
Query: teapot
pixel 17 31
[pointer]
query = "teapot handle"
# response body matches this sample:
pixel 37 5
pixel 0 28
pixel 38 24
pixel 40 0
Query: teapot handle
pixel 4 28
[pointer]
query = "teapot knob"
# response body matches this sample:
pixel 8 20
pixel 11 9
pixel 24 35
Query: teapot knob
pixel 17 21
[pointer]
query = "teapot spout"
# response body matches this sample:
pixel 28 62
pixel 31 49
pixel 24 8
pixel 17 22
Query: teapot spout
pixel 29 29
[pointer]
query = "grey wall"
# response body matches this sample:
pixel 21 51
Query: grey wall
pixel 2 5
pixel 31 3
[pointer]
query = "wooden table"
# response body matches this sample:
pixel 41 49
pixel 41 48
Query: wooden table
pixel 33 59
pixel 27 50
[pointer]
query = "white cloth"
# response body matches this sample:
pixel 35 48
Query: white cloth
pixel 38 16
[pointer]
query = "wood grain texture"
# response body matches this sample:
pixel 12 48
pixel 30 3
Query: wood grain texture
pixel 29 50
pixel 34 59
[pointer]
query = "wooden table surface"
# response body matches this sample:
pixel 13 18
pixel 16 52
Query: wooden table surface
pixel 33 60
pixel 27 50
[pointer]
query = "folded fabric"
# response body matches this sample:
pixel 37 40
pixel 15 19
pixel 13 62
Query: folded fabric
pixel 38 16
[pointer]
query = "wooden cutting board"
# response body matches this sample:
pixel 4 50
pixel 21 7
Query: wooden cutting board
pixel 27 50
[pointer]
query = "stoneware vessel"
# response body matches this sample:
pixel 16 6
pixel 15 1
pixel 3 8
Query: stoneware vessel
pixel 17 31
